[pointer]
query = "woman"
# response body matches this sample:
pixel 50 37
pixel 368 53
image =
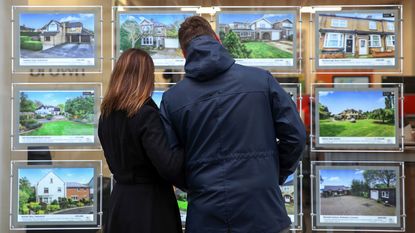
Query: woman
pixel 137 152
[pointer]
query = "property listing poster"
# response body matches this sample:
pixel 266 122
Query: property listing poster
pixel 59 194
pixel 57 39
pixel 365 195
pixel 259 39
pixel 356 117
pixel 56 116
pixel 288 191
pixel 356 39
pixel 156 33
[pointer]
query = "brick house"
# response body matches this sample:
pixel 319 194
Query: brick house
pixel 346 36
pixel 77 191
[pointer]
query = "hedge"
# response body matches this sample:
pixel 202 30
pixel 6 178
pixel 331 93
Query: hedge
pixel 32 45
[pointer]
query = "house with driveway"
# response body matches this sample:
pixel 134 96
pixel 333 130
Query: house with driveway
pixel 335 190
pixel 260 29
pixel 386 195
pixel 55 33
pixel 344 36
pixel 44 110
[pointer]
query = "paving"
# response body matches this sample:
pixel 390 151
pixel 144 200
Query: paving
pixel 352 205
pixel 68 50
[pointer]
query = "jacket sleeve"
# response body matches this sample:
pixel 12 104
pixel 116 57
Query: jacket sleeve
pixel 168 126
pixel 289 129
pixel 168 162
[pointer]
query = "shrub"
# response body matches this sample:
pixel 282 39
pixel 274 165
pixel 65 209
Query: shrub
pixel 49 116
pixel 40 212
pixel 32 45
pixel 80 204
pixel 30 124
pixel 35 206
pixel 53 208
pixel 24 39
pixel 25 210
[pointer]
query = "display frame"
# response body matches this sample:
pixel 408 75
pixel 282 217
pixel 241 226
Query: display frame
pixel 317 146
pixel 97 68
pixel 115 22
pixel 296 68
pixel 354 79
pixel 400 210
pixel 96 165
pixel 297 217
pixel 314 38
pixel 296 96
pixel 86 145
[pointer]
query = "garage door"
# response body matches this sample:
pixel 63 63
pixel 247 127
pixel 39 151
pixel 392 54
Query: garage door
pixel 75 39
pixel 85 39
pixel 374 194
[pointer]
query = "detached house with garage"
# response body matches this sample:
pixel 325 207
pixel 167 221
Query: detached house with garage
pixel 55 33
pixel 386 195
pixel 343 36
pixel 287 191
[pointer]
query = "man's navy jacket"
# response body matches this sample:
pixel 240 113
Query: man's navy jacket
pixel 228 117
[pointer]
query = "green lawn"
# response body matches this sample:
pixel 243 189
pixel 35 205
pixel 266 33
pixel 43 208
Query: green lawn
pixel 264 50
pixel 62 128
pixel 362 128
pixel 290 208
pixel 182 205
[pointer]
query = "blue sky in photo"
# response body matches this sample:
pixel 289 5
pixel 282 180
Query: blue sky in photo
pixel 157 95
pixel 340 177
pixel 365 15
pixel 166 19
pixel 227 18
pixel 53 98
pixel 337 101
pixel 78 175
pixel 38 20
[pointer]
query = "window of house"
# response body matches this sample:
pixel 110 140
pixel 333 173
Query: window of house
pixel 53 27
pixel 59 189
pixel 74 198
pixel 146 28
pixel 159 30
pixel 51 180
pixel 385 194
pixel 372 25
pixel 287 25
pixel 147 41
pixel 46 190
pixel 47 38
pixel 262 25
pixel 333 40
pixel 374 41
pixel 390 40
pixel 390 26
pixel 339 23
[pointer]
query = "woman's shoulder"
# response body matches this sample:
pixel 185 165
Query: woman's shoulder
pixel 148 108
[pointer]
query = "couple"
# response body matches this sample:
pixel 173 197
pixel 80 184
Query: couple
pixel 227 134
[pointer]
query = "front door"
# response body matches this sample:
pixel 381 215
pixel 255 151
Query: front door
pixel 362 47
pixel 349 44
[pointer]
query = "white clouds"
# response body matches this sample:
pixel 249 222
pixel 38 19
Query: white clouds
pixel 359 172
pixel 325 93
pixel 69 19
pixel 130 17
pixel 86 16
pixel 334 178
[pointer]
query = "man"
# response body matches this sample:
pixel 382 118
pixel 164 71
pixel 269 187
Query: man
pixel 228 118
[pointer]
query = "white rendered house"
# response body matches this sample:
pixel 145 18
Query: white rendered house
pixel 50 188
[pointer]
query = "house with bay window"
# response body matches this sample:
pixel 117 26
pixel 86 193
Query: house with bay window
pixel 344 36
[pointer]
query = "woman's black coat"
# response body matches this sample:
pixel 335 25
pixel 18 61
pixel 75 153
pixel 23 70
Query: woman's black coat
pixel 141 161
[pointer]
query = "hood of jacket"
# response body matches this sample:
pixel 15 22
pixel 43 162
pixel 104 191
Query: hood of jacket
pixel 206 58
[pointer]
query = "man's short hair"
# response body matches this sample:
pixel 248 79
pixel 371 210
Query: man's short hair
pixel 193 27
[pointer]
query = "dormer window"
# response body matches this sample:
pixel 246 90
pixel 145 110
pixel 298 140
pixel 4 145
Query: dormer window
pixel 339 23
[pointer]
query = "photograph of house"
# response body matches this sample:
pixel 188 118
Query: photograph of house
pixel 55 191
pixel 288 194
pixel 155 33
pixel 57 113
pixel 363 113
pixel 356 35
pixel 181 197
pixel 250 35
pixel 358 192
pixel 57 35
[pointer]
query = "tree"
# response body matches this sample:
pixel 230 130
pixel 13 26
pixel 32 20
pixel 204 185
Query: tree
pixel 380 178
pixel 26 194
pixel 234 46
pixel 26 105
pixel 324 112
pixel 388 101
pixel 131 30
pixel 385 115
pixel 80 107
pixel 359 188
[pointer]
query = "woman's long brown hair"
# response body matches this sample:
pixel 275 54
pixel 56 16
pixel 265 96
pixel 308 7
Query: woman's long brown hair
pixel 131 84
